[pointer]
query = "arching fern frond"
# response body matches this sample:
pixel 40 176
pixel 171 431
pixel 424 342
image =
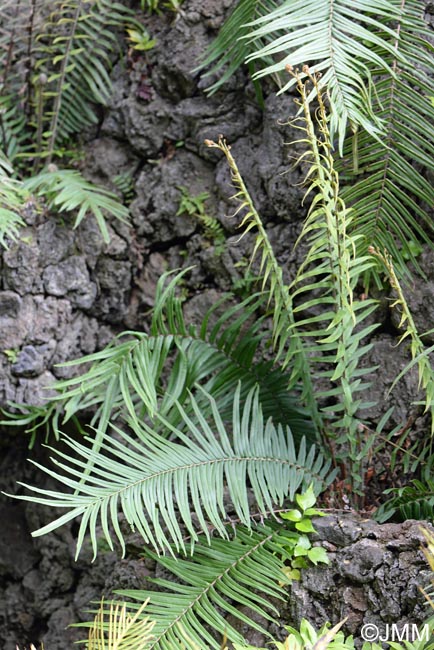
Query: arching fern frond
pixel 247 569
pixel 344 42
pixel 164 487
pixel 67 190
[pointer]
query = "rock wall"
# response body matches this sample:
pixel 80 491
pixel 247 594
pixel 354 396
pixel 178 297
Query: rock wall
pixel 64 293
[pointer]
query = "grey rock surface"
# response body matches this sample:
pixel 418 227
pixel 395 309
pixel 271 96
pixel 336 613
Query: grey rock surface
pixel 375 575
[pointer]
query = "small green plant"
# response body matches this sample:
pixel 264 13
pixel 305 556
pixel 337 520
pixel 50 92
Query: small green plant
pixel 11 355
pixel 125 184
pixel 157 5
pixel 194 206
pixel 141 40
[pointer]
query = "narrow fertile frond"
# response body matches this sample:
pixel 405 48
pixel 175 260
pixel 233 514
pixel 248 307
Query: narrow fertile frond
pixel 419 352
pixel 286 344
pixel 246 570
pixel 66 190
pixel 326 280
pixel 164 487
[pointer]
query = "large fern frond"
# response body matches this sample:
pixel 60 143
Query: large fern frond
pixel 246 570
pixel 163 487
pixel 386 183
pixel 342 41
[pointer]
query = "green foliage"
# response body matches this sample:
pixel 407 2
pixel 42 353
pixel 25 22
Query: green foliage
pixel 380 116
pixel 307 638
pixel 194 206
pixel 128 379
pixel 66 190
pixel 229 50
pixel 201 590
pixel 419 353
pixel 332 337
pixel 414 501
pixel 137 472
pixel 191 427
pixel 12 199
pixel 140 40
pixel 52 73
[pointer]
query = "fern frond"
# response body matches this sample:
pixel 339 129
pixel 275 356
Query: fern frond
pixel 130 377
pixel 419 353
pixel 229 51
pixel 117 629
pixel 414 501
pixel 75 52
pixel 146 475
pixel 327 278
pixel 66 190
pixel 286 345
pixel 385 183
pixel 342 41
pixel 12 198
pixel 235 570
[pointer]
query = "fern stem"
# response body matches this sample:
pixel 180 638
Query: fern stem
pixel 61 82
pixel 30 28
